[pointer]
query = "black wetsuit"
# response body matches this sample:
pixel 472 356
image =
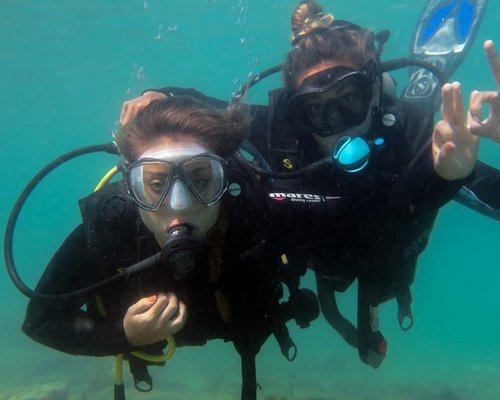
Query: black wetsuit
pixel 371 225
pixel 109 240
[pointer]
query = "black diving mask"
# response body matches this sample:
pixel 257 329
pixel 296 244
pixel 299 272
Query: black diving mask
pixel 333 101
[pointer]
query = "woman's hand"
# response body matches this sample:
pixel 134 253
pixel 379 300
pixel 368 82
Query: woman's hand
pixel 454 147
pixel 132 107
pixel 154 318
pixel 490 126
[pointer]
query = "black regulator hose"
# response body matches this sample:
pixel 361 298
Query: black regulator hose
pixel 399 63
pixel 240 94
pixel 386 66
pixel 124 274
pixel 11 224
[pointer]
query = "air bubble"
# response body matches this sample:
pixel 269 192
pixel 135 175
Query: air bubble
pixel 139 72
pixel 158 34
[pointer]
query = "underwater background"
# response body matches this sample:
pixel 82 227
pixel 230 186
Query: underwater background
pixel 67 66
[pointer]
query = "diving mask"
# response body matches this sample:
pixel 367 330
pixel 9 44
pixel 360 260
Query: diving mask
pixel 151 178
pixel 333 101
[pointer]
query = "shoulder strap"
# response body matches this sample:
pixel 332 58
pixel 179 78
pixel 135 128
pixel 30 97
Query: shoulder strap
pixel 284 152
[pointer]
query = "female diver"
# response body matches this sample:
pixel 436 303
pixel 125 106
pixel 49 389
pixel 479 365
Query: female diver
pixel 218 277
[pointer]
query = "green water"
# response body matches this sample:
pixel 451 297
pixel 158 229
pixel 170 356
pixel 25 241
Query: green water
pixel 66 67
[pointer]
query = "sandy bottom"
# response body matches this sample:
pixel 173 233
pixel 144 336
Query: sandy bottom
pixel 324 370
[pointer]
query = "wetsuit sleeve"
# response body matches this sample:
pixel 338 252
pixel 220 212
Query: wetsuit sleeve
pixel 482 193
pixel 72 325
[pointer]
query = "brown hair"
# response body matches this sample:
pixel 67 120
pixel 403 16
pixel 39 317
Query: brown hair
pixel 336 40
pixel 222 130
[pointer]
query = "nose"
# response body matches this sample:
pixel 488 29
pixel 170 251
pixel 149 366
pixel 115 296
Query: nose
pixel 179 196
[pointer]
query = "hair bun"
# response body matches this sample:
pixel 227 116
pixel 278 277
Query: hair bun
pixel 308 17
pixel 305 10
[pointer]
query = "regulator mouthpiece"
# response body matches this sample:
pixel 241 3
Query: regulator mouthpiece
pixel 183 255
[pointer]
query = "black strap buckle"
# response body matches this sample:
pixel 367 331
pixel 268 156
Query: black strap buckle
pixel 143 382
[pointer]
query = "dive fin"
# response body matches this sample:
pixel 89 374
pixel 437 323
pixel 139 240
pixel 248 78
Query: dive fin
pixel 443 36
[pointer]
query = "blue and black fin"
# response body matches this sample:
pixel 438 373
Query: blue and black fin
pixel 444 34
